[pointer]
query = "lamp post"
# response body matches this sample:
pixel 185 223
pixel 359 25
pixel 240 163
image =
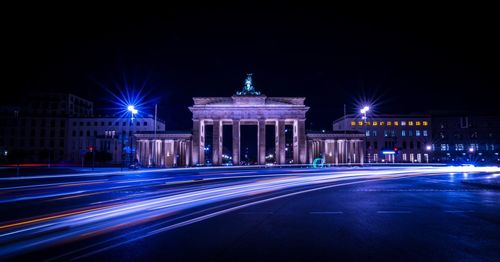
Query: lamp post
pixel 133 112
pixel 471 151
pixel 364 112
pixel 428 148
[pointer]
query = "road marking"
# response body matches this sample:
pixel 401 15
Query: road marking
pixel 255 213
pixel 326 213
pixel 393 212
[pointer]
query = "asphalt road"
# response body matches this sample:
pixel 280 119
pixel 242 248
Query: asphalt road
pixel 411 214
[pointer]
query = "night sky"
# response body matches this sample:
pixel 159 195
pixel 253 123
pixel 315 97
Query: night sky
pixel 407 58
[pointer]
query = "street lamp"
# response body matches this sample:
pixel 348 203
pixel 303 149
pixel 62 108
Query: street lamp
pixel 133 111
pixel 364 111
pixel 428 148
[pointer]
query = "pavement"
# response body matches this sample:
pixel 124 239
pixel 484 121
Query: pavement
pixel 351 214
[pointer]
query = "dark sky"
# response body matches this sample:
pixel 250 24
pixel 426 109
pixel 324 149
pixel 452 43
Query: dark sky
pixel 407 58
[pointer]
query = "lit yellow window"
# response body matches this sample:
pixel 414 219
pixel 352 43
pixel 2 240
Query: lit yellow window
pixel 368 123
pixel 417 123
pixel 425 123
pixel 389 123
pixel 410 123
pixel 375 123
pixel 353 123
pixel 360 123
pixel 381 123
pixel 396 123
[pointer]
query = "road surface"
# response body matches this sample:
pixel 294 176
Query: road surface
pixel 391 213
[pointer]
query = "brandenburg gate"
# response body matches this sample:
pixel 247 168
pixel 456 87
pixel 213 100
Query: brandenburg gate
pixel 248 107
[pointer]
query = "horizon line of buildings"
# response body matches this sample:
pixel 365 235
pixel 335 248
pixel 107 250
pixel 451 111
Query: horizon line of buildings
pixel 63 128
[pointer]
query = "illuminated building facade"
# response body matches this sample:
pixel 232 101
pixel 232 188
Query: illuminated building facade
pixel 249 107
pixel 465 138
pixel 61 128
pixel 392 138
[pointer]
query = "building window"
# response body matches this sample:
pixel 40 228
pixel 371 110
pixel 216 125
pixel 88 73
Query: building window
pixel 88 123
pixel 81 133
pixel 403 132
pixel 396 123
pixel 88 132
pixel 81 123
pixel 403 123
pixel 116 123
pixel 418 145
pixel 412 145
pixel 381 123
pixel 367 132
pixel 386 133
pixel 404 157
pixel 374 123
pixel 410 123
pixel 410 132
pixel 95 132
pixel 444 147
pixel 138 123
pixel 353 123
pixel 145 123
pixel 124 123
pixel 393 133
pixel 95 124
pixel 374 132
pixel 102 123
pixel 425 123
pixel 417 123
pixel 459 147
pixel 375 145
pixel 389 123
pixel 417 132
pixel 425 133
pixel 404 144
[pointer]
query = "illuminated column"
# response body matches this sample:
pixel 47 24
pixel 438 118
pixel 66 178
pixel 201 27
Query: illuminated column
pixel 188 152
pixel 197 147
pixel 295 142
pixel 337 151
pixel 261 141
pixel 217 143
pixel 301 128
pixel 280 137
pixel 362 152
pixel 236 142
pixel 175 152
pixel 310 153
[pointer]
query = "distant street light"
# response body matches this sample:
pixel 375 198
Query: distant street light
pixel 364 111
pixel 133 111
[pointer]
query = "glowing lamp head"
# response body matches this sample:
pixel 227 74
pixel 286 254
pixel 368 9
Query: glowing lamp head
pixel 131 108
pixel 365 109
pixel 428 148
pixel 471 149
pixel 135 111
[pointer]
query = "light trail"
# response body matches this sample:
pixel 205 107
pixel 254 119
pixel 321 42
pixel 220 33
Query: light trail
pixel 32 234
